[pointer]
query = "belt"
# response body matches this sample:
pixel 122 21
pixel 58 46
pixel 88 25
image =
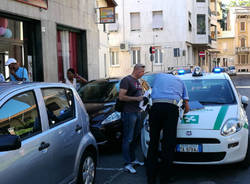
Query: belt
pixel 165 101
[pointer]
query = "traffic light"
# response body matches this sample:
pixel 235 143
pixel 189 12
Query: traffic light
pixel 151 50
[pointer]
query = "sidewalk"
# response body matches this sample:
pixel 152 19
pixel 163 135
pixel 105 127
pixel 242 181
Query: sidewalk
pixel 242 73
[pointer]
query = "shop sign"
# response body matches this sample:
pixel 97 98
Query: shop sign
pixel 107 15
pixel 38 3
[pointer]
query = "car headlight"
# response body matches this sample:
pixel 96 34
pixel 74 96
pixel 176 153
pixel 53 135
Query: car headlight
pixel 112 117
pixel 231 126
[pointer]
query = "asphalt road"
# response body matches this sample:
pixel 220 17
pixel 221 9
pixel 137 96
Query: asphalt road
pixel 110 166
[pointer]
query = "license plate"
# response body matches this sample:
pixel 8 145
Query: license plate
pixel 188 148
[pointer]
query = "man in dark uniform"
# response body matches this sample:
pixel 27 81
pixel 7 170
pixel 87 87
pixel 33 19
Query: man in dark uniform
pixel 168 90
pixel 131 93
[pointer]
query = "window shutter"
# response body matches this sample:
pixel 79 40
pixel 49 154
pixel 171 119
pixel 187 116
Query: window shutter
pixel 135 21
pixel 157 20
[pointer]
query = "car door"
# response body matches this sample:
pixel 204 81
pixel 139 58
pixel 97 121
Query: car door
pixel 66 129
pixel 19 115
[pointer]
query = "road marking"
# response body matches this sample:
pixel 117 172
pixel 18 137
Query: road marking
pixel 243 87
pixel 109 169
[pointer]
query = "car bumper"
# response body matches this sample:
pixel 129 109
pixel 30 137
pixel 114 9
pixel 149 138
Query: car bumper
pixel 216 149
pixel 107 133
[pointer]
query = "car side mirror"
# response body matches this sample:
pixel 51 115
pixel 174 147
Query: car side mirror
pixel 9 142
pixel 244 101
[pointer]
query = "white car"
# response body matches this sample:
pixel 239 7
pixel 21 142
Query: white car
pixel 215 131
pixel 231 70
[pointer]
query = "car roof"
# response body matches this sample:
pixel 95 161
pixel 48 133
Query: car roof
pixel 204 76
pixel 9 87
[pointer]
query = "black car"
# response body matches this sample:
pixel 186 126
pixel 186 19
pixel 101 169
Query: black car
pixel 99 97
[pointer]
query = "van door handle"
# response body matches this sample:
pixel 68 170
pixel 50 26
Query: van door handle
pixel 43 146
pixel 78 127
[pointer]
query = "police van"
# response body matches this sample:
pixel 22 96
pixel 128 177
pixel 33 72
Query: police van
pixel 215 130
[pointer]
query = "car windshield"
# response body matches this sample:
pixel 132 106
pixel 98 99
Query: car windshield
pixel 231 68
pixel 99 91
pixel 210 91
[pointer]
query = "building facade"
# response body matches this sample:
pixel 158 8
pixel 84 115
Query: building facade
pixel 179 31
pixel 234 42
pixel 50 36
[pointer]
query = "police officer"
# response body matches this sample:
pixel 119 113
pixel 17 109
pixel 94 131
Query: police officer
pixel 168 90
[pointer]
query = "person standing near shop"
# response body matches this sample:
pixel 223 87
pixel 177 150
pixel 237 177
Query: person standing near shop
pixel 17 73
pixel 74 79
pixel 131 94
pixel 168 90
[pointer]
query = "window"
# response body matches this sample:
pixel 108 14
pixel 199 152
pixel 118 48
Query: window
pixel 114 59
pixel 135 21
pixel 210 91
pixel 136 56
pixel 243 42
pixel 189 21
pixel 158 56
pixel 225 61
pixel 157 20
pixel 201 24
pixel 242 26
pixel 60 105
pixel 243 59
pixel 99 91
pixel 20 116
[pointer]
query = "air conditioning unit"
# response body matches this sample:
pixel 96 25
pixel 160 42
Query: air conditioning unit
pixel 124 47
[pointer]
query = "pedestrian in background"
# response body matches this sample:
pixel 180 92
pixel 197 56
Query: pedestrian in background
pixel 74 79
pixel 168 90
pixel 17 73
pixel 131 94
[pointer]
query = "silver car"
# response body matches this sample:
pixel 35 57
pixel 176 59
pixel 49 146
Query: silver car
pixel 231 70
pixel 44 135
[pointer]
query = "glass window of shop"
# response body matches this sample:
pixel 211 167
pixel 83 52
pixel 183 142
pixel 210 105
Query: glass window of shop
pixel 19 39
pixel 71 52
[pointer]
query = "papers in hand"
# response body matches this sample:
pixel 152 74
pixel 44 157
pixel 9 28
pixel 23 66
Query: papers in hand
pixel 147 95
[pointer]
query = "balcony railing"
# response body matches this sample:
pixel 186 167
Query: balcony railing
pixel 242 49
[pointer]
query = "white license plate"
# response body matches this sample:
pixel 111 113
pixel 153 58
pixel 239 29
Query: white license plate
pixel 189 148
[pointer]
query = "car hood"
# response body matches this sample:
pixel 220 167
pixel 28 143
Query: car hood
pixel 98 111
pixel 210 117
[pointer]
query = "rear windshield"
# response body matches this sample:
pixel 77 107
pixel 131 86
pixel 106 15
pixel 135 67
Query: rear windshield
pixel 210 91
pixel 99 91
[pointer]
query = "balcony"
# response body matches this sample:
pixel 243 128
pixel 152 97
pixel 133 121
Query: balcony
pixel 242 49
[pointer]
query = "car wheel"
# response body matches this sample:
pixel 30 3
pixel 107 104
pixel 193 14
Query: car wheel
pixel 246 162
pixel 87 169
pixel 145 136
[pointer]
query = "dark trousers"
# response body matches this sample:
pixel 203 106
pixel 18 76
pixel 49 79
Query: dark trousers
pixel 162 116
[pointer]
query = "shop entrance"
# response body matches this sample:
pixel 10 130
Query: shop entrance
pixel 20 38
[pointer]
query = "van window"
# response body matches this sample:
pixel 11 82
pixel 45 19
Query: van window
pixel 59 103
pixel 20 116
